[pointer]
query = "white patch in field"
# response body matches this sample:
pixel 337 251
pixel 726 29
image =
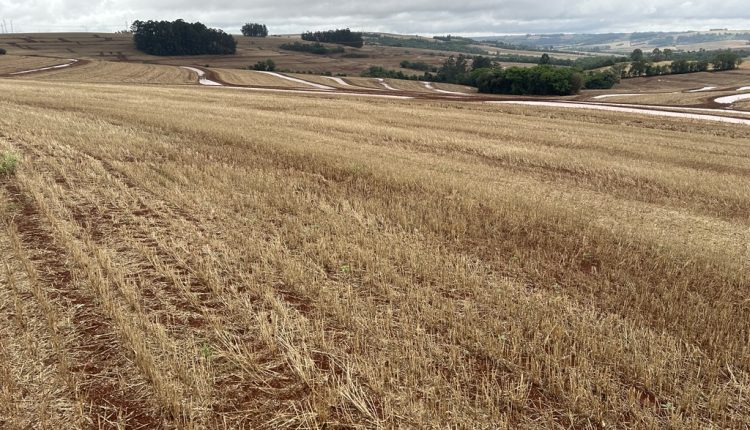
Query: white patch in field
pixel 645 110
pixel 299 81
pixel 429 86
pixel 202 77
pixel 732 99
pixel 59 66
pixel 702 89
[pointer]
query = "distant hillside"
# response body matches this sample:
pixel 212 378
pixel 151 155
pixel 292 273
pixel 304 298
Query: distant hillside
pixel 381 50
pixel 624 42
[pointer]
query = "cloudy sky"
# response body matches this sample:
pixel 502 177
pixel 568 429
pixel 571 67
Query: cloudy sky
pixel 471 17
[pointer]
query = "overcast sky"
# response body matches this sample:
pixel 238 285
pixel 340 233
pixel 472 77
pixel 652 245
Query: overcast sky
pixel 471 17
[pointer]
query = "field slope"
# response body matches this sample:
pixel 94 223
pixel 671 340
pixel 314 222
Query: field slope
pixel 183 257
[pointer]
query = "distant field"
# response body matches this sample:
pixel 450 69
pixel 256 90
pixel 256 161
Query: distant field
pixel 185 257
pixel 731 78
pixel 667 99
pixel 626 42
pixel 674 90
pixel 114 72
pixel 118 47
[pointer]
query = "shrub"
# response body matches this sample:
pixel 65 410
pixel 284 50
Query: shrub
pixel 264 66
pixel 8 162
pixel 2 51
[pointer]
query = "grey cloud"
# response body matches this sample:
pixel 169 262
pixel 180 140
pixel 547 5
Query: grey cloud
pixel 413 17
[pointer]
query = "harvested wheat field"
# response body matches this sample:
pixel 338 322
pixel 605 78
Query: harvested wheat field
pixel 18 63
pixel 184 257
pixel 254 78
pixel 111 72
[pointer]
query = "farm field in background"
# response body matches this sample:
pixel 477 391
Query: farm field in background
pixel 119 47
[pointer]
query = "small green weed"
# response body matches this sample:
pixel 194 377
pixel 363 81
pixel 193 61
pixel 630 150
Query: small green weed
pixel 8 162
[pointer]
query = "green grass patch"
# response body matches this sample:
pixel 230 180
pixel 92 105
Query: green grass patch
pixel 8 162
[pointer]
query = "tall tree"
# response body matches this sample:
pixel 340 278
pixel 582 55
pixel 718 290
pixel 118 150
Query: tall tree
pixel 636 55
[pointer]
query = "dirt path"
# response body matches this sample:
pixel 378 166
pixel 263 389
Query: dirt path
pixel 202 79
pixel 646 110
pixel 385 85
pixel 70 63
pixel 299 81
pixel 339 81
pixel 429 86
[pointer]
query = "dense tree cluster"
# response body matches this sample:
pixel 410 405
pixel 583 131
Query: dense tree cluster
pixel 538 80
pixel 181 38
pixel 457 70
pixel 454 69
pixel 253 29
pixel 726 60
pixel 480 62
pixel 341 37
pixel 683 66
pixel 312 48
pixel 601 80
pixel 690 62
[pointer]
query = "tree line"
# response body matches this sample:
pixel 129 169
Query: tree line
pixel 702 61
pixel 181 38
pixel 538 80
pixel 339 36
pixel 483 73
pixel 312 48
